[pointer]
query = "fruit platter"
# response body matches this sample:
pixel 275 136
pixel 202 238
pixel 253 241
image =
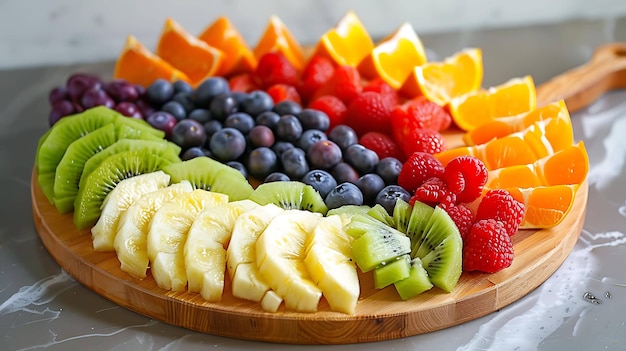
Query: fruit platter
pixel 351 191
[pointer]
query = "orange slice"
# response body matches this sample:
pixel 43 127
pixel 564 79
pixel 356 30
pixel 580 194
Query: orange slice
pixel 278 38
pixel 513 97
pixel 440 82
pixel 189 54
pixel 394 57
pixel 346 44
pixel 541 139
pixel 139 65
pixel 238 57
pixel 568 166
pixel 546 206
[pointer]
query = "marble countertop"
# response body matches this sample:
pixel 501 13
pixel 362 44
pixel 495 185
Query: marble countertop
pixel 42 307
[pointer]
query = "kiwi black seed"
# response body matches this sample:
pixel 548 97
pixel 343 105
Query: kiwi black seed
pixel 291 195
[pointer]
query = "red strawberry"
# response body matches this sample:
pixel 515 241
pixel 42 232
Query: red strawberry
pixel 498 204
pixel 378 85
pixel 382 144
pixel 487 247
pixel 344 84
pixel 274 68
pixel 333 107
pixel 242 83
pixel 466 176
pixel 420 113
pixel 433 192
pixel 420 140
pixel 318 71
pixel 280 92
pixel 461 215
pixel 369 112
pixel 417 169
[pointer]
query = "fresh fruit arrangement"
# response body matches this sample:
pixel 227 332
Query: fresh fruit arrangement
pixel 280 176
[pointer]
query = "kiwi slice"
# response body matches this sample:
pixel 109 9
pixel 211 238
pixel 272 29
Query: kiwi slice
pixel 380 213
pixel 402 215
pixel 205 173
pixel 133 128
pixel 106 176
pixel 417 216
pixel 380 245
pixel 291 195
pixel 416 283
pixel 348 210
pixel 391 272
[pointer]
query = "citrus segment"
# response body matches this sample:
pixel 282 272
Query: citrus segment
pixel 394 57
pixel 346 44
pixel 546 206
pixel 187 53
pixel 238 57
pixel 278 38
pixel 138 65
pixel 440 82
pixel 475 108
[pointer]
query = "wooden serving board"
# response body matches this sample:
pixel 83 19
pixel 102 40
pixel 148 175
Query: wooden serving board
pixel 380 314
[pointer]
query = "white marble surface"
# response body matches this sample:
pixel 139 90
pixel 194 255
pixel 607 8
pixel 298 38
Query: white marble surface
pixel 39 32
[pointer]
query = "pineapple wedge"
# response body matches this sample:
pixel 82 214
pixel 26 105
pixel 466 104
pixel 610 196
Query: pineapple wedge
pixel 205 247
pixel 132 231
pixel 118 200
pixel 167 234
pixel 280 257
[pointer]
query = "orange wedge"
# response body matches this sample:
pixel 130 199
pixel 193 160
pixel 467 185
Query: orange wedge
pixel 238 57
pixel 139 65
pixel 568 166
pixel 513 97
pixel 187 53
pixel 394 57
pixel 278 38
pixel 440 82
pixel 541 139
pixel 346 44
pixel 546 206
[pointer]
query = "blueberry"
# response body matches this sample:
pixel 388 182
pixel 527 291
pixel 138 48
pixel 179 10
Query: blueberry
pixel 389 168
pixel 185 99
pixel 294 162
pixel 261 136
pixel 314 119
pixel 209 89
pixel 310 137
pixel 228 144
pixel 193 152
pixel 361 158
pixel 287 107
pixel 288 128
pixel 320 180
pixel 238 166
pixel 211 127
pixel 200 114
pixel 176 109
pixel 344 194
pixel 159 92
pixel 343 136
pixel 261 162
pixel 240 121
pixel 370 184
pixel 223 106
pixel 268 118
pixel 256 103
pixel 163 121
pixel 280 146
pixel 343 172
pixel 276 177
pixel 324 154
pixel 180 86
pixel 188 133
pixel 389 195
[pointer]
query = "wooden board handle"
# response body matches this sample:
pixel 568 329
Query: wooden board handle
pixel 581 86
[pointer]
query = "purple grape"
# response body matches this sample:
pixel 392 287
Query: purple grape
pixel 78 83
pixel 343 172
pixel 324 154
pixel 141 90
pixel 128 109
pixel 121 90
pixel 59 110
pixel 95 96
pixel 144 107
pixel 344 194
pixel 227 144
pixel 188 133
pixel 58 94
pixel 261 136
pixel 162 121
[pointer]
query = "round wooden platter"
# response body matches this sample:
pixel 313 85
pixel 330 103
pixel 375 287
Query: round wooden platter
pixel 380 314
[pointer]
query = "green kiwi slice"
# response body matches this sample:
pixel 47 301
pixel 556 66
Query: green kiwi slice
pixel 291 195
pixel 348 210
pixel 380 213
pixel 402 215
pixel 416 283
pixel 105 177
pixel 378 245
pixel 417 215
pixel 205 173
pixel 391 272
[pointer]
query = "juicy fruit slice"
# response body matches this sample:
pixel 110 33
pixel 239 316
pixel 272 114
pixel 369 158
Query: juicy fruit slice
pixel 205 173
pixel 440 82
pixel 546 206
pixel 280 258
pixel 130 241
pixel 416 283
pixel 419 214
pixel 205 247
pixel 238 57
pixel 347 44
pixel 125 193
pixel 138 65
pixel 289 195
pixel 278 38
pixel 392 272
pixel 167 234
pixel 513 97
pixel 104 178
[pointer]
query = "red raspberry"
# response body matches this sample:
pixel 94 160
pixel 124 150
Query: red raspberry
pixel 417 169
pixel 344 84
pixel 487 247
pixel 433 192
pixel 242 83
pixel 333 107
pixel 280 92
pixel 420 113
pixel 498 204
pixel 274 68
pixel 466 176
pixel 369 112
pixel 382 144
pixel 461 215
pixel 420 140
pixel 318 71
pixel 378 85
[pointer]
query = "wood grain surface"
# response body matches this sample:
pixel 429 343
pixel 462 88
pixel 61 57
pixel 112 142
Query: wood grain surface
pixel 380 314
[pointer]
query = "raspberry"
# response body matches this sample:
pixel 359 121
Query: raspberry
pixel 318 71
pixel 417 169
pixel 420 113
pixel 433 192
pixel 465 176
pixel 498 204
pixel 281 92
pixel 369 112
pixel 344 84
pixel 274 68
pixel 487 247
pixel 333 107
pixel 461 215
pixel 242 83
pixel 382 144
pixel 420 140
pixel 378 85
